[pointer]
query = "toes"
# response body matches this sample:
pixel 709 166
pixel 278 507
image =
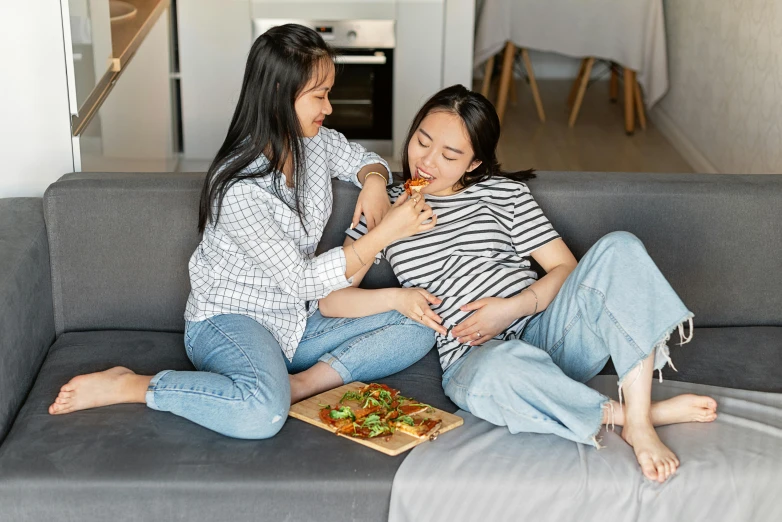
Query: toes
pixel 648 467
pixel 662 472
pixel 708 403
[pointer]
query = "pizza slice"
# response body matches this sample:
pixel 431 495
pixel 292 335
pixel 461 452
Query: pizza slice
pixel 416 185
pixel 421 427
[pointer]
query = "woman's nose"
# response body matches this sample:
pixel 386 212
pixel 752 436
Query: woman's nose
pixel 327 109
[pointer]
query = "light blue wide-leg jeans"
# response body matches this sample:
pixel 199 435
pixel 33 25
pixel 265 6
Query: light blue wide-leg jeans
pixel 615 304
pixel 241 387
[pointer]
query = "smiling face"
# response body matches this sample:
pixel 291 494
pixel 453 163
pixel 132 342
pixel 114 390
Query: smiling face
pixel 440 152
pixel 312 105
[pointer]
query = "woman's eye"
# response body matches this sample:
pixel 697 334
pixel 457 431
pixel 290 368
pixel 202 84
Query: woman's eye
pixel 421 144
pixel 321 97
pixel 448 159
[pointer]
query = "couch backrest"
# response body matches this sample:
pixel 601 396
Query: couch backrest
pixel 717 238
pixel 119 247
pixel 120 243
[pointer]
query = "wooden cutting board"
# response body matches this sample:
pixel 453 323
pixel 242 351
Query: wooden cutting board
pixel 308 409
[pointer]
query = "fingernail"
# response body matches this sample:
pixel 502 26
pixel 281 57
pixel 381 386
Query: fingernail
pixel 351 224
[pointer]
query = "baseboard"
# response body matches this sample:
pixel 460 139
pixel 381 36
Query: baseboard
pixel 681 142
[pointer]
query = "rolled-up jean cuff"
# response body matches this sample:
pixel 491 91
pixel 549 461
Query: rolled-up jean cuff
pixel 340 368
pixel 150 395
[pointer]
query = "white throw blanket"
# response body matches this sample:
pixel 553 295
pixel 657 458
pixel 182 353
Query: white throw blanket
pixel 731 470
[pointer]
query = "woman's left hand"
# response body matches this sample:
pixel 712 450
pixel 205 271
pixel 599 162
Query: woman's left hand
pixel 373 202
pixel 493 316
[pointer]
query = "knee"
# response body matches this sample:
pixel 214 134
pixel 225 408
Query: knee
pixel 620 239
pixel 620 244
pixel 255 419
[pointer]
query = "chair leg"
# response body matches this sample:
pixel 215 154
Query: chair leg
pixel 581 90
pixel 614 90
pixel 576 83
pixel 629 101
pixel 487 72
pixel 639 104
pixel 533 85
pixel 505 78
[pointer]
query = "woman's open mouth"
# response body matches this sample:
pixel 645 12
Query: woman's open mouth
pixel 423 175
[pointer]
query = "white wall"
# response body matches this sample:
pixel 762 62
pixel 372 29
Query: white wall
pixel 35 142
pixel 724 106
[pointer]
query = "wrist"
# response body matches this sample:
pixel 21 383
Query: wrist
pixel 375 180
pixel 390 296
pixel 525 303
pixel 384 233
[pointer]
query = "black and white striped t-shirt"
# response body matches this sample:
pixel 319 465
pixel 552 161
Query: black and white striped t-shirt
pixel 479 248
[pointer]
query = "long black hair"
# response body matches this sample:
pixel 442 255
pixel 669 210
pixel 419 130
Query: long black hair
pixel 280 64
pixel 483 128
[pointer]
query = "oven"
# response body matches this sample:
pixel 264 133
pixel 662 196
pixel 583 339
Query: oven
pixel 362 97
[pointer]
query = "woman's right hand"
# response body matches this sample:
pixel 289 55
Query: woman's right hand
pixel 407 217
pixel 415 304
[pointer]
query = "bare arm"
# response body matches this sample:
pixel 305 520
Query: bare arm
pixel 558 262
pixel 494 314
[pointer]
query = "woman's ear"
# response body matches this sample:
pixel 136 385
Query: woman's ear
pixel 474 165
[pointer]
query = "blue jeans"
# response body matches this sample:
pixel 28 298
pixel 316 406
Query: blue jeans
pixel 615 304
pixel 241 388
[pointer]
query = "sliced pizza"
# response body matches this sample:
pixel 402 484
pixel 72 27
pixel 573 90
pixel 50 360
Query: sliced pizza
pixel 416 185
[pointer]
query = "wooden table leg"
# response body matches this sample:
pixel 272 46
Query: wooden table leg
pixel 487 72
pixel 639 104
pixel 505 78
pixel 629 101
pixel 581 90
pixel 576 83
pixel 614 91
pixel 533 85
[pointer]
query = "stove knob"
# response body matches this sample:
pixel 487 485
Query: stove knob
pixel 352 36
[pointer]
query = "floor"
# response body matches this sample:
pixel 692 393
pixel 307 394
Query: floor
pixel 596 143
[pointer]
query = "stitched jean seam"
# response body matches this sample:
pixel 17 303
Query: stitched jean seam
pixel 611 316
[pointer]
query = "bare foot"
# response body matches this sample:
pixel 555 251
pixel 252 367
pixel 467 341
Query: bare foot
pixel 114 386
pixel 318 378
pixel 682 408
pixel 656 460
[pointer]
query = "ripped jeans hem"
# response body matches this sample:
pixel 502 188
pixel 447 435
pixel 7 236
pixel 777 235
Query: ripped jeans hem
pixel 661 352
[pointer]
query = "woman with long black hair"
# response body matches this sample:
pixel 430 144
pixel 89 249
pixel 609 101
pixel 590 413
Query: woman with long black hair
pixel 253 329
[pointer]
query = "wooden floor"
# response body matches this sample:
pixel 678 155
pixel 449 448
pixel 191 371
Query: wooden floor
pixel 597 142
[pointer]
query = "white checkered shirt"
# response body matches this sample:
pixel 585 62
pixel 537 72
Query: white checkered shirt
pixel 258 260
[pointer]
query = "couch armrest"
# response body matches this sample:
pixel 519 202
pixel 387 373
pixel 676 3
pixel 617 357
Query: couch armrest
pixel 26 310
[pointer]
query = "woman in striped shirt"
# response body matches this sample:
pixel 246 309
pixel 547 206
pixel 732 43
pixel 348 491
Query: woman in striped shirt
pixel 516 350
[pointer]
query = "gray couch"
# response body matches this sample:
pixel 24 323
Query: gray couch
pixel 95 275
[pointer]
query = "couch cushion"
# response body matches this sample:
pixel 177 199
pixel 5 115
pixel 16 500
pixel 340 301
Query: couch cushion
pixel 120 244
pixel 717 238
pixel 128 462
pixel 747 358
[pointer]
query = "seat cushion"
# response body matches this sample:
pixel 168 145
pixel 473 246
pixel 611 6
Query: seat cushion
pixel 747 358
pixel 128 462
